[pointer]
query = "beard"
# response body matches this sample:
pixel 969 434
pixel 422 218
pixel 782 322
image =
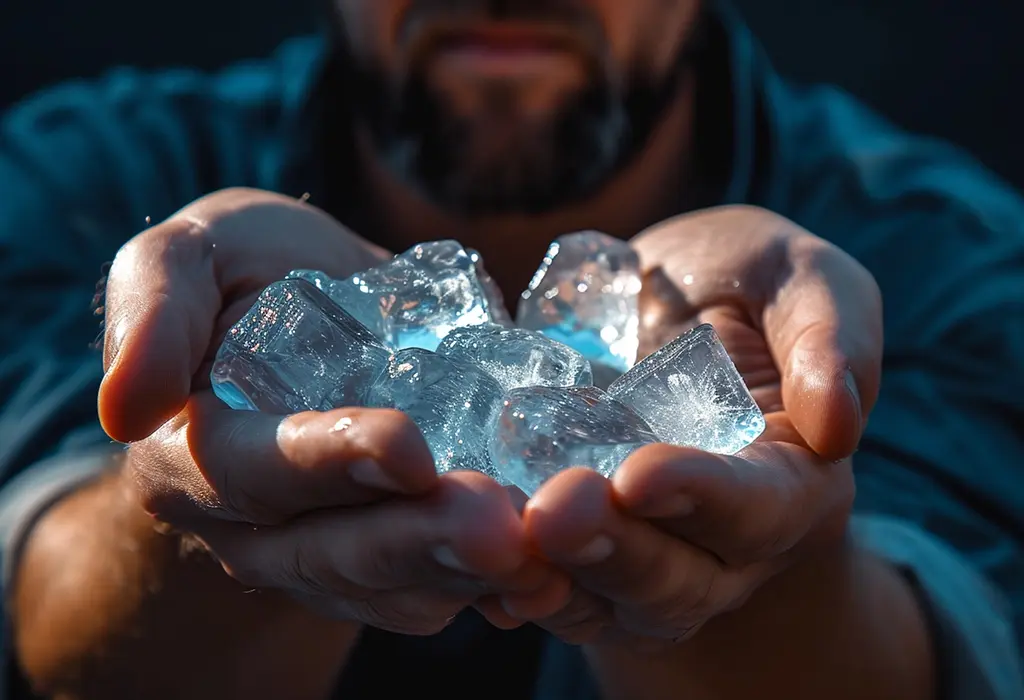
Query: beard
pixel 499 161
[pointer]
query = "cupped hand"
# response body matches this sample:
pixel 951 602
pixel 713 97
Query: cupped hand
pixel 679 536
pixel 342 509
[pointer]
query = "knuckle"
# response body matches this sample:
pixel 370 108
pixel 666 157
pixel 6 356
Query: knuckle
pixel 692 599
pixel 385 568
pixel 302 570
pixel 208 444
pixel 235 503
pixel 313 571
pixel 758 539
pixel 177 238
pixel 581 621
pixel 163 473
pixel 658 626
pixel 231 211
pixel 699 598
pixel 647 582
pixel 234 193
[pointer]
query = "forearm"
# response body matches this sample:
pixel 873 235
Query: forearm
pixel 106 605
pixel 845 626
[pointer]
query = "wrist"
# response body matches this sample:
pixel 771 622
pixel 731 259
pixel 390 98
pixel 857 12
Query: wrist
pixel 830 608
pixel 105 593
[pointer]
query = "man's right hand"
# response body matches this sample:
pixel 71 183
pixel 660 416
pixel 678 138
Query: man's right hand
pixel 342 509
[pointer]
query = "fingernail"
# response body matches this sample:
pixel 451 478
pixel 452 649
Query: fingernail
pixel 596 551
pixel 509 607
pixel 446 557
pixel 851 387
pixel 369 473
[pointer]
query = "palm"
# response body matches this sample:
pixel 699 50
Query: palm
pixel 665 315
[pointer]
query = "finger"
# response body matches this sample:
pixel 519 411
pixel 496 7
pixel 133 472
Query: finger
pixel 659 584
pixel 406 611
pixel 162 300
pixel 819 309
pixel 584 619
pixel 542 602
pixel 510 609
pixel 260 468
pixel 168 285
pixel 420 612
pixel 465 530
pixel 519 498
pixel 747 508
pixel 665 312
pixel 494 612
pixel 824 327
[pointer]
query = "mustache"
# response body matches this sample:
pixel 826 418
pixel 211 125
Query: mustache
pixel 555 11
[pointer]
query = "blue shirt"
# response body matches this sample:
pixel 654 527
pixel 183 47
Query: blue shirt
pixel 85 165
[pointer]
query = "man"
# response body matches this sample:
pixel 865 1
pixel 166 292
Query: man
pixel 234 554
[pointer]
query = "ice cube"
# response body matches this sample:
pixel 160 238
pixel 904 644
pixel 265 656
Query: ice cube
pixel 295 350
pixel 453 403
pixel 542 431
pixel 585 294
pixel 495 299
pixel 350 298
pixel 517 357
pixel 414 299
pixel 692 395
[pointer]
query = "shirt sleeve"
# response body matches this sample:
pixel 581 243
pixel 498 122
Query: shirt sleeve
pixel 79 176
pixel 83 168
pixel 941 465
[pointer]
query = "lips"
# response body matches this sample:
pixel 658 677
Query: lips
pixel 496 38
pixel 510 39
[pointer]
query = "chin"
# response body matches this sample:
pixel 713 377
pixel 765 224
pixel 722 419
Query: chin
pixel 464 171
pixel 515 186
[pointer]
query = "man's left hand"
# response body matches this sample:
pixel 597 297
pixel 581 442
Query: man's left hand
pixel 679 536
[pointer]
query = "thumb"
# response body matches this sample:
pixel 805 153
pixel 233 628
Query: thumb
pixel 172 288
pixel 161 305
pixel 824 327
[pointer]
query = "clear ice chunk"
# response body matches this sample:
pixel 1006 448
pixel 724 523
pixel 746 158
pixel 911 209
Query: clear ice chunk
pixel 348 297
pixel 542 431
pixel 413 300
pixel 295 350
pixel 585 294
pixel 451 401
pixel 692 395
pixel 517 357
pixel 495 299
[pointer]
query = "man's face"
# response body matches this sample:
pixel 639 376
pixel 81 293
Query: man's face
pixel 493 107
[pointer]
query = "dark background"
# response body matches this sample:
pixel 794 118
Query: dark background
pixel 953 68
